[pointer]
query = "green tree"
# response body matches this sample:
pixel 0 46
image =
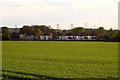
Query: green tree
pixel 25 29
pixel 111 34
pixel 5 33
pixel 101 33
pixel 37 32
pixel 0 34
pixel 77 31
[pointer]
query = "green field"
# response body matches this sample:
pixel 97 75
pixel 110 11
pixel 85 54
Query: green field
pixel 50 59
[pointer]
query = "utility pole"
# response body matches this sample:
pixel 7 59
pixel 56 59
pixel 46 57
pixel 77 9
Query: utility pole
pixel 86 25
pixel 94 30
pixel 15 28
pixel 58 26
pixel 71 26
pixel 94 26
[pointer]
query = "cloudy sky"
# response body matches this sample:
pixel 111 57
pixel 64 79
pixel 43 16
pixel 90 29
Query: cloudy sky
pixel 64 12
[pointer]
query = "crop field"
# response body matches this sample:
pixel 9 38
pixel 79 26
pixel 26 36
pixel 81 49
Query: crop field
pixel 59 59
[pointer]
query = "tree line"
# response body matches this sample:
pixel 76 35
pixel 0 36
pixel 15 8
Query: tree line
pixel 37 30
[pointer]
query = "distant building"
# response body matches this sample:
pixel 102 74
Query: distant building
pixel 46 36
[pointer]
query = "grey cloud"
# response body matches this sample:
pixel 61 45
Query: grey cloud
pixel 10 4
pixel 58 3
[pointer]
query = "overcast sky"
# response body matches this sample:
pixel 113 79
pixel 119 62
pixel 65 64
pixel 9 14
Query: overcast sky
pixel 64 12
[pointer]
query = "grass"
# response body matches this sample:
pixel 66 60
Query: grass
pixel 49 60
